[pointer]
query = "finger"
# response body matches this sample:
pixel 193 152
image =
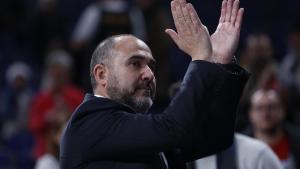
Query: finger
pixel 228 10
pixel 187 18
pixel 183 26
pixel 234 11
pixel 223 11
pixel 193 14
pixel 176 14
pixel 173 35
pixel 239 19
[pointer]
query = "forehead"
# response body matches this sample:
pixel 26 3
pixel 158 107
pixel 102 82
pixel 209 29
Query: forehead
pixel 262 97
pixel 130 46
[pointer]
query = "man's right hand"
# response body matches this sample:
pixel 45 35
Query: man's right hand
pixel 192 36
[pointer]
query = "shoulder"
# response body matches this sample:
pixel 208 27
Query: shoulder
pixel 96 113
pixel 255 153
pixel 250 143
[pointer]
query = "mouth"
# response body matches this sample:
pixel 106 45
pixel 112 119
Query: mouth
pixel 147 92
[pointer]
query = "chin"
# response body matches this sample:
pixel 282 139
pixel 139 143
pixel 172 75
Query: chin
pixel 142 105
pixel 146 102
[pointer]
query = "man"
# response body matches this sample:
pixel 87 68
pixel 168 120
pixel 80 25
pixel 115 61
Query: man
pixel 289 73
pixel 267 117
pixel 50 159
pixel 110 128
pixel 58 94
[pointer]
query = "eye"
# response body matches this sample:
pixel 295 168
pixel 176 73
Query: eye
pixel 136 64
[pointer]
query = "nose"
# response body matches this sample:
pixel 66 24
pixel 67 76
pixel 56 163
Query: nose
pixel 147 74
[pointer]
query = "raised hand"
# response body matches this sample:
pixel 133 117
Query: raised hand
pixel 192 36
pixel 226 37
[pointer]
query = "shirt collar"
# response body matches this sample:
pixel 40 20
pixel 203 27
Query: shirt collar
pixel 99 95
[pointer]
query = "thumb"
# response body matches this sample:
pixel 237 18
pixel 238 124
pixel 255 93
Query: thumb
pixel 173 35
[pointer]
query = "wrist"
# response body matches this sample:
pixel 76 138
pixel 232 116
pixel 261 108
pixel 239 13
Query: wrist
pixel 224 59
pixel 206 57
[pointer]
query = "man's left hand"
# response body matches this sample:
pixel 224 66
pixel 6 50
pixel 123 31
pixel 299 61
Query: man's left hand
pixel 226 37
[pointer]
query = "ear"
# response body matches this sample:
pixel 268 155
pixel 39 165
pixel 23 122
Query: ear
pixel 100 74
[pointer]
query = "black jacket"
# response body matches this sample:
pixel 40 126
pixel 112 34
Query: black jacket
pixel 198 122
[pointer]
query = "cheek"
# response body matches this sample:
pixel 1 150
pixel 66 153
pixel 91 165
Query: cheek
pixel 279 116
pixel 128 79
pixel 127 83
pixel 257 117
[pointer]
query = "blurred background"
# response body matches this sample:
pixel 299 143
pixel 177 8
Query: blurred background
pixel 46 45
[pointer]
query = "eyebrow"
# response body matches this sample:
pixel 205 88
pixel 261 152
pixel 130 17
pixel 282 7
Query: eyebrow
pixel 140 57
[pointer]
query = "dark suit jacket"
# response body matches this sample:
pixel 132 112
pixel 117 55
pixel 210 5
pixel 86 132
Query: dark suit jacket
pixel 198 122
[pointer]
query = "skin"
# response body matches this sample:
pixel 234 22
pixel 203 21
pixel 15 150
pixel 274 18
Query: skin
pixel 192 36
pixel 267 116
pixel 130 79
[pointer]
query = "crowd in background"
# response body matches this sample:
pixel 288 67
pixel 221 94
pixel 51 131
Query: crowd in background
pixel 46 46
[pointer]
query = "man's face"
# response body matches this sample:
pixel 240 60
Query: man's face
pixel 130 77
pixel 266 112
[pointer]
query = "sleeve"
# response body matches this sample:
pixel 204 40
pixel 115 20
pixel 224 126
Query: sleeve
pixel 215 128
pixel 122 134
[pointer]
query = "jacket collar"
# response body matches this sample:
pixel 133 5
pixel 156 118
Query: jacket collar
pixel 106 102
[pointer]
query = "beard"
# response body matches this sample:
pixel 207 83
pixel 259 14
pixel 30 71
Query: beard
pixel 128 96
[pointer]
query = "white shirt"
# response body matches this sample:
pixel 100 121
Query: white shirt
pixel 250 153
pixel 98 95
pixel 47 161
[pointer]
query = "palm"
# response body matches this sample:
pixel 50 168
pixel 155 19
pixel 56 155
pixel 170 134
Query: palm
pixel 224 41
pixel 226 37
pixel 192 36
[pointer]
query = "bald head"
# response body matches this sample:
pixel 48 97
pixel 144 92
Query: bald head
pixel 110 48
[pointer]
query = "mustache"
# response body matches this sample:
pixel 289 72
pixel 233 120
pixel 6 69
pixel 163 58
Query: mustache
pixel 147 86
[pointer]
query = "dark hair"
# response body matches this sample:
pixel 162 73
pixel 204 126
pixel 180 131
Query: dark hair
pixel 102 55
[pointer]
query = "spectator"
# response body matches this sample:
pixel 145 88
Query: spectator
pixel 258 52
pixel 48 26
pixel 267 117
pixel 105 18
pixel 16 99
pixel 56 125
pixel 290 73
pixel 258 58
pixel 16 140
pixel 57 93
pixel 102 19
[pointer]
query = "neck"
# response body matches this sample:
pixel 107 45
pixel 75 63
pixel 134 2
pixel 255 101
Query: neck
pixel 100 92
pixel 271 136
